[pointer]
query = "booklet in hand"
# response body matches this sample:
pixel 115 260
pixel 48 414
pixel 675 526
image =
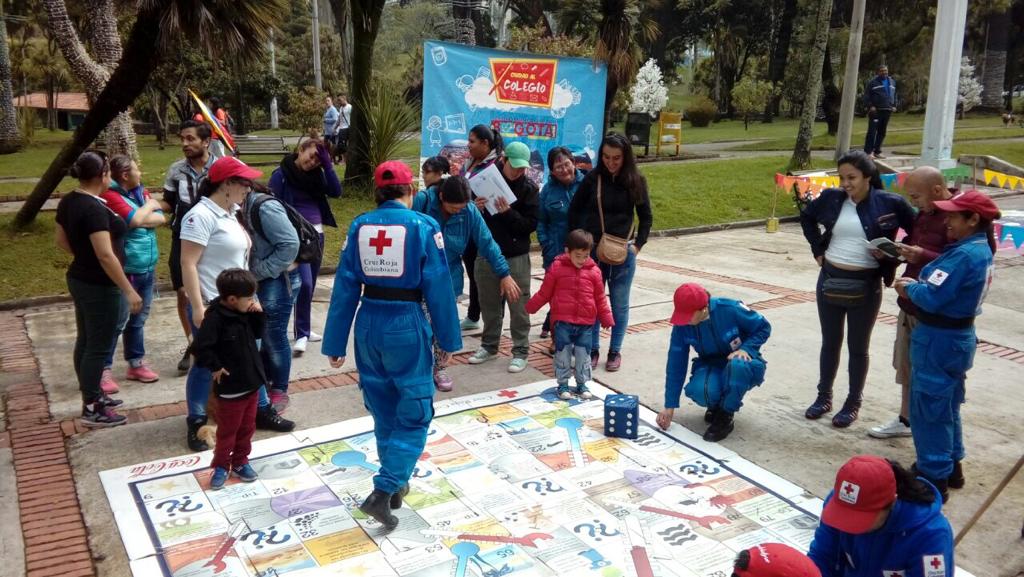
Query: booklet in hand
pixel 887 246
pixel 489 184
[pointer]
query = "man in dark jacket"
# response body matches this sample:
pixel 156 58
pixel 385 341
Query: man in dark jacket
pixel 880 100
pixel 511 227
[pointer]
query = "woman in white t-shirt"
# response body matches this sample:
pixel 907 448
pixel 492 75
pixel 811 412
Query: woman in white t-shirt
pixel 212 240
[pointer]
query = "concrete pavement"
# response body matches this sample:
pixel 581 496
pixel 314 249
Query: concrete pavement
pixel 772 272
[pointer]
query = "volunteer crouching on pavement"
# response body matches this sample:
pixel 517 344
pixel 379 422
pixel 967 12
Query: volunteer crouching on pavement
pixel 948 295
pixel 727 336
pixel 879 521
pixel 395 258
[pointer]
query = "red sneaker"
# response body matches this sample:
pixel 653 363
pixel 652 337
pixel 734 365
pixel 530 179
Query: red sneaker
pixel 142 373
pixel 614 362
pixel 107 383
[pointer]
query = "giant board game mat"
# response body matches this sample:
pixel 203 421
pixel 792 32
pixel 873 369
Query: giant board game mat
pixel 512 483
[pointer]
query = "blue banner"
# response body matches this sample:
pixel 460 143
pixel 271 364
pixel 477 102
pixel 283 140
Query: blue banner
pixel 542 101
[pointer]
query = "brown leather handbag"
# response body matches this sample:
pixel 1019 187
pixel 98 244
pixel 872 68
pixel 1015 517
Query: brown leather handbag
pixel 611 249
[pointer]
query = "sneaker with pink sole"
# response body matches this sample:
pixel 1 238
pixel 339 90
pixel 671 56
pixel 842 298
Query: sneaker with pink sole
pixel 443 381
pixel 279 400
pixel 107 383
pixel 142 373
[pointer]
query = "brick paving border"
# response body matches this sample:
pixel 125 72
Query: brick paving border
pixel 54 531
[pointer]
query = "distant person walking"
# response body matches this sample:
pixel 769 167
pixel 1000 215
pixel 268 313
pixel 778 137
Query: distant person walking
pixel 341 128
pixel 103 296
pixel 880 99
pixel 330 118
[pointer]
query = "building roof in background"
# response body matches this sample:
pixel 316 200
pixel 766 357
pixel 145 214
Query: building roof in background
pixel 72 101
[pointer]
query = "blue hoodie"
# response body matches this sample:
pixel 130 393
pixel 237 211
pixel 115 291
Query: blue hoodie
pixel 458 229
pixel 553 220
pixel 916 541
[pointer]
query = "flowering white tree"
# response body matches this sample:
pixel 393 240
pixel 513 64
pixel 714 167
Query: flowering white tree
pixel 649 93
pixel 970 89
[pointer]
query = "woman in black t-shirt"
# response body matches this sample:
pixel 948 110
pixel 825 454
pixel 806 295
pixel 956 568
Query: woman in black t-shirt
pixel 94 235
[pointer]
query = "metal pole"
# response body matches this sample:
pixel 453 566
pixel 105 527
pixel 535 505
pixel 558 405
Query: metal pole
pixel 850 79
pixel 273 73
pixel 943 84
pixel 317 80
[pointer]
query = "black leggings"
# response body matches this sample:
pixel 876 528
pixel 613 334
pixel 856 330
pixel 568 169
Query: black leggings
pixel 859 320
pixel 469 261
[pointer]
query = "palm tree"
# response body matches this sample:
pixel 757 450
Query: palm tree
pixel 10 138
pixel 802 151
pixel 617 36
pixel 229 29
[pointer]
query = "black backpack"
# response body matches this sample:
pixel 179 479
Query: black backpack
pixel 309 236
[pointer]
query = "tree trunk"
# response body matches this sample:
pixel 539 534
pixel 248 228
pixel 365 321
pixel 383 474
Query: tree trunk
pixel 465 29
pixel 995 61
pixel 343 22
pixel 124 86
pixel 831 98
pixel 780 56
pixel 10 137
pixel 365 25
pixel 802 151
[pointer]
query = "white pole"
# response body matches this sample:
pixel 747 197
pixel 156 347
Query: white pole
pixel 943 84
pixel 317 80
pixel 850 87
pixel 273 72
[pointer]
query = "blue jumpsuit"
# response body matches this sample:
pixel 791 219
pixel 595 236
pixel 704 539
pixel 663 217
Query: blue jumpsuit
pixel 717 382
pixel 394 248
pixel 953 285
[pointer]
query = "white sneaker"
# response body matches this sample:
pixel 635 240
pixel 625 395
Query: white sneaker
pixel 517 366
pixel 890 430
pixel 300 345
pixel 469 324
pixel 315 337
pixel 481 356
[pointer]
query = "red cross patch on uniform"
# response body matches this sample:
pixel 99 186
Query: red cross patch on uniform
pixel 849 493
pixel 934 566
pixel 382 250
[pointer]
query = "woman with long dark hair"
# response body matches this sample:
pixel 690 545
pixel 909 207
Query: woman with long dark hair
pixel 948 295
pixel 849 290
pixel 103 296
pixel 485 149
pixel 881 519
pixel 306 179
pixel 605 203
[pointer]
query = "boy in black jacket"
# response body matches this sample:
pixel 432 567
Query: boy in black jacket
pixel 226 345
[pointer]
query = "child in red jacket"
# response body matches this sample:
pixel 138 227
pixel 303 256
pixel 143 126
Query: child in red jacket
pixel 575 290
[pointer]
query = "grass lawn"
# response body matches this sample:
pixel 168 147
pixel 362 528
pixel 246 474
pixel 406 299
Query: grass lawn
pixel 681 195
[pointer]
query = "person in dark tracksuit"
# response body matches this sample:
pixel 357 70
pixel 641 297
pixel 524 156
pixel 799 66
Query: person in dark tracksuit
pixel 395 258
pixel 880 100
pixel 948 295
pixel 881 520
pixel 727 337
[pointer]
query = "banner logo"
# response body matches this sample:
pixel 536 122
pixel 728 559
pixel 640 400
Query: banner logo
pixel 527 82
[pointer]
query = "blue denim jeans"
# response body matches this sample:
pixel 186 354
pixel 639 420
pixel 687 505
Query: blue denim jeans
pixel 98 310
pixel 133 342
pixel 277 297
pixel 308 273
pixel 572 350
pixel 199 382
pixel 619 278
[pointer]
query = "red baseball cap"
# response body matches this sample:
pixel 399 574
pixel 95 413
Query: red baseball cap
pixel 392 172
pixel 865 486
pixel 689 298
pixel 777 560
pixel 227 167
pixel 973 200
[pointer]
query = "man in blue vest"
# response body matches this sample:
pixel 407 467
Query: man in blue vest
pixel 880 100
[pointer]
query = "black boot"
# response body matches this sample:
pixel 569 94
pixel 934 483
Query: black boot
pixel 956 480
pixel 396 498
pixel 709 415
pixel 720 427
pixel 378 506
pixel 268 418
pixel 847 415
pixel 194 442
pixel 943 487
pixel 821 405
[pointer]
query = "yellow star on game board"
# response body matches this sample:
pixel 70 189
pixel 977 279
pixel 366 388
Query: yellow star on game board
pixel 674 454
pixel 167 486
pixel 358 570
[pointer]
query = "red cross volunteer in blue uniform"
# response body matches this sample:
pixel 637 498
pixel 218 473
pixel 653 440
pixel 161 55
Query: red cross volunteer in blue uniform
pixel 394 258
pixel 948 295
pixel 882 521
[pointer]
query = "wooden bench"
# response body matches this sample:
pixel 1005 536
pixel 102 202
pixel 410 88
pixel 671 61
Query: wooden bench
pixel 261 145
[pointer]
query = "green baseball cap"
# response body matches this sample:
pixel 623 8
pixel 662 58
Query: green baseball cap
pixel 518 155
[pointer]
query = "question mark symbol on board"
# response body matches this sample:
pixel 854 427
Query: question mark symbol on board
pixel 591 530
pixel 689 469
pixel 604 530
pixel 416 473
pixel 536 486
pixel 258 541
